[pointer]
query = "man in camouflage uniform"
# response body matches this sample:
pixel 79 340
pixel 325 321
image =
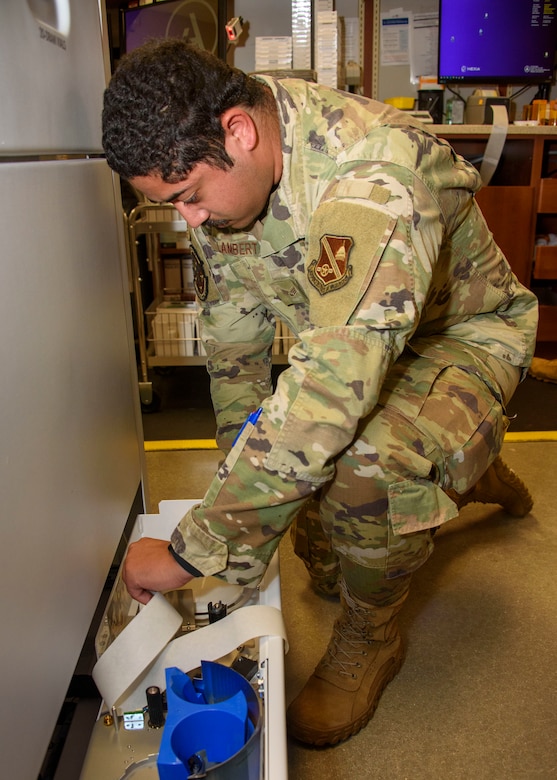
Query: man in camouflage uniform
pixel 359 229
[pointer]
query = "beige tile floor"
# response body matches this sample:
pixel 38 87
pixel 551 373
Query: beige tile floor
pixel 477 695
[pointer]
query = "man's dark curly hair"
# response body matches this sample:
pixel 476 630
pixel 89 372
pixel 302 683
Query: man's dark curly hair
pixel 162 109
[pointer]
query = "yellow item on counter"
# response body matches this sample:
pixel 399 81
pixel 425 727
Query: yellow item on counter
pixel 404 103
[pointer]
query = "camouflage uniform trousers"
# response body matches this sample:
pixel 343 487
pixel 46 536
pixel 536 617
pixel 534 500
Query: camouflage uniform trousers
pixel 436 428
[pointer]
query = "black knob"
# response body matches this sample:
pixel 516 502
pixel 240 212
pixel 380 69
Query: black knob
pixel 155 707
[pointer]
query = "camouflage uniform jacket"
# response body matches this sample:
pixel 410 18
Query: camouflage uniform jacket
pixel 372 243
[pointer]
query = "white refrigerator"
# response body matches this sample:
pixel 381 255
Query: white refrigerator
pixel 71 444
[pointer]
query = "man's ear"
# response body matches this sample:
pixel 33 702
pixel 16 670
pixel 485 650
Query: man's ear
pixel 239 127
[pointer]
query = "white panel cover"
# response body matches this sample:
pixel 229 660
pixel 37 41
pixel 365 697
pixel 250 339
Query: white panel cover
pixel 51 76
pixel 70 451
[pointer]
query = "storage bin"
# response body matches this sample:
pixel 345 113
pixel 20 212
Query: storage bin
pixel 173 329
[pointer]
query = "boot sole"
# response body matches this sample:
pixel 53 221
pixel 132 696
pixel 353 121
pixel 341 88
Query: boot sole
pixel 543 377
pixel 320 738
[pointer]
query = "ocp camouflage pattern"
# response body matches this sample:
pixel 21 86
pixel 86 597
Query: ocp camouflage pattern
pixel 420 271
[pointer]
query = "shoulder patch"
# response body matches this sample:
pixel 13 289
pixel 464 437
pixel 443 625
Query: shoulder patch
pixel 346 242
pixel 331 270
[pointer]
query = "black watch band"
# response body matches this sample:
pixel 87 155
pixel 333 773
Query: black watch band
pixel 184 564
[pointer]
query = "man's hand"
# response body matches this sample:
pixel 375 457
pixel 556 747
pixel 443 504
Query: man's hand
pixel 149 566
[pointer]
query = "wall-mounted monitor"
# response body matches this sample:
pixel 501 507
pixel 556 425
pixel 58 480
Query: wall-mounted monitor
pixel 200 23
pixel 497 41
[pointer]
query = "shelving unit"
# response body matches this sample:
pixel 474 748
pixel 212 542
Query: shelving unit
pixel 520 205
pixel 152 220
pixel 544 270
pixel 167 328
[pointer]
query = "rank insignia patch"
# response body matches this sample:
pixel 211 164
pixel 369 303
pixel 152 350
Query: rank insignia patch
pixel 200 279
pixel 332 270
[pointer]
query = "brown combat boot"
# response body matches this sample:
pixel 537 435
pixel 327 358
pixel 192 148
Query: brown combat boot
pixel 499 485
pixel 364 654
pixel 544 370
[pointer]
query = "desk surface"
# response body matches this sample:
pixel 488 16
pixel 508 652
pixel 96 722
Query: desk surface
pixel 514 130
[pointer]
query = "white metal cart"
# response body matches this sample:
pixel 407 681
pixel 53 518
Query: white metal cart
pixel 167 329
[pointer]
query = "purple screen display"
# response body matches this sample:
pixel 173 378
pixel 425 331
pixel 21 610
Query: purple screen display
pixel 503 41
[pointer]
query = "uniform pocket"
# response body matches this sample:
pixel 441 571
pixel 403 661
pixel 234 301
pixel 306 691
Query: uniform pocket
pixel 418 504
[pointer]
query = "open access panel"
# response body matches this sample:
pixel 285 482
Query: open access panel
pixel 192 683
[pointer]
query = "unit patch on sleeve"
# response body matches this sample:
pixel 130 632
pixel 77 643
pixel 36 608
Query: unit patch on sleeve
pixel 200 279
pixel 345 244
pixel 332 269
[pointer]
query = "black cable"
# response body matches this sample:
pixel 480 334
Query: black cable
pixel 457 94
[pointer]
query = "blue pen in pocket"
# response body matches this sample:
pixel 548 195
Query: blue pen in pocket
pixel 251 418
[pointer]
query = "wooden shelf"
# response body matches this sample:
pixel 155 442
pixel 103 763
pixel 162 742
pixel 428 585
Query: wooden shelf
pixel 545 264
pixel 519 203
pixel 547 197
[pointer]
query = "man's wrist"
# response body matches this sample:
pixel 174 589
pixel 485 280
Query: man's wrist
pixel 184 564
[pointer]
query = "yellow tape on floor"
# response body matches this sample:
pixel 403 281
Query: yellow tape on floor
pixel 181 444
pixel 531 436
pixel 210 444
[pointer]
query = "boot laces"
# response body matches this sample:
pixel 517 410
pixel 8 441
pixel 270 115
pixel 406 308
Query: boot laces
pixel 346 646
